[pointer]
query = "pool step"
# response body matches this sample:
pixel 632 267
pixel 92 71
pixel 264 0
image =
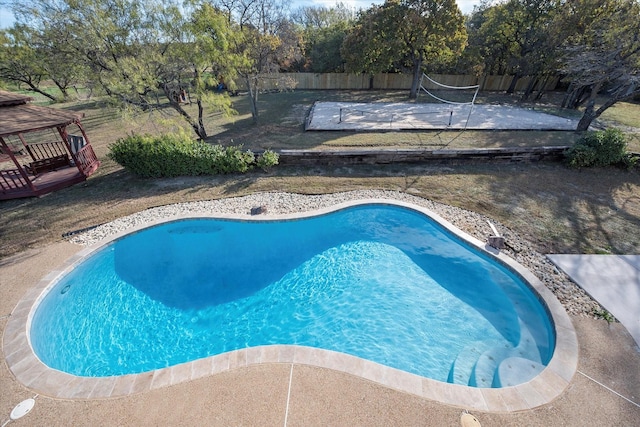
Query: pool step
pixel 462 367
pixel 486 366
pixel 516 370
pixel 485 372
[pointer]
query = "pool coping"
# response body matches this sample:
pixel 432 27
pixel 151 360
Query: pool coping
pixel 542 389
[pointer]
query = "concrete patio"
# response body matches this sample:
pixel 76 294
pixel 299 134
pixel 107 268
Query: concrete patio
pixel 612 280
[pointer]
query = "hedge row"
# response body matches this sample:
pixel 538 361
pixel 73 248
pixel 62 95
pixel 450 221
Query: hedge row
pixel 172 155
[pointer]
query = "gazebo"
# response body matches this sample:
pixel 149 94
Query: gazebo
pixel 39 167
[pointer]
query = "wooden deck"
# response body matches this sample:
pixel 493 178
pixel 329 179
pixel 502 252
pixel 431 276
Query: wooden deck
pixel 12 186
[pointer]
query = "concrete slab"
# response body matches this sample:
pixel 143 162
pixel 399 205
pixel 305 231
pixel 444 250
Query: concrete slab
pixel 612 280
pixel 413 116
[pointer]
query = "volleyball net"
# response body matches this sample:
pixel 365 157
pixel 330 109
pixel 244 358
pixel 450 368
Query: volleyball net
pixel 448 106
pixel 463 97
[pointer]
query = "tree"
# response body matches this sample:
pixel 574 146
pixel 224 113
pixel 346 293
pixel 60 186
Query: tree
pixel 141 53
pixel 491 35
pixel 324 30
pixel 20 61
pixel 530 20
pixel 322 49
pixel 317 17
pixel 405 33
pixel 472 60
pixel 211 50
pixel 262 55
pixel 513 38
pixel 31 56
pixel 602 53
pixel 53 41
pixel 268 43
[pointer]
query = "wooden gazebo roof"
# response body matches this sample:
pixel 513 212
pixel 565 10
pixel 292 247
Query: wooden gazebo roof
pixel 10 98
pixel 18 116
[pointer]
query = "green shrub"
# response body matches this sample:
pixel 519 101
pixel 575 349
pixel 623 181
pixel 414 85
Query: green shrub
pixel 267 160
pixel 630 161
pixel 601 148
pixel 173 155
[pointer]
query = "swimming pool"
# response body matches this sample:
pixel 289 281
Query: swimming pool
pixel 380 282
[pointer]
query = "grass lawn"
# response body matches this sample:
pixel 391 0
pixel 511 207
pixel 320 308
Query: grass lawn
pixel 557 209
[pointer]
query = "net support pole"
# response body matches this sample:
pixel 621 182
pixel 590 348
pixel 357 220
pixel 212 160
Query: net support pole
pixel 473 102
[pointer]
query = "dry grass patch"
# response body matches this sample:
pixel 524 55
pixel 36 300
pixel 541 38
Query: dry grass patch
pixel 557 209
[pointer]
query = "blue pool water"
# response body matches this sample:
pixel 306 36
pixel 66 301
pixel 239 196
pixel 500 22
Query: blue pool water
pixel 380 282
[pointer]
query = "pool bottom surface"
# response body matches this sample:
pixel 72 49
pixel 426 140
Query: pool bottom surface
pixel 313 306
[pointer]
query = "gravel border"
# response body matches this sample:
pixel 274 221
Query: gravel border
pixel 575 300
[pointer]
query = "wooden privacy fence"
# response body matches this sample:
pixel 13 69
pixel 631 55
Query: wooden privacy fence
pixel 386 81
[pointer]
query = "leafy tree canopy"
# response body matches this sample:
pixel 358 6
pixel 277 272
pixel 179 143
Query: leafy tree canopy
pixel 601 52
pixel 405 33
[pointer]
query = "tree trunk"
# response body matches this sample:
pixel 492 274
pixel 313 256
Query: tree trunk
pixel 587 117
pixel 253 98
pixel 576 96
pixel 529 89
pixel 589 113
pixel 197 126
pixel 569 96
pixel 63 89
pixel 512 86
pixel 417 75
pixel 542 88
pixel 581 97
pixel 202 132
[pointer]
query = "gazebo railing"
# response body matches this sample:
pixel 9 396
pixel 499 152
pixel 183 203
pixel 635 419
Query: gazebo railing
pixel 87 159
pixel 11 179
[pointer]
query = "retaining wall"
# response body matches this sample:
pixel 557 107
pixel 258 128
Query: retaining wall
pixel 387 156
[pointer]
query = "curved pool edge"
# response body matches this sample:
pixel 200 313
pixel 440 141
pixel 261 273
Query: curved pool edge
pixel 544 388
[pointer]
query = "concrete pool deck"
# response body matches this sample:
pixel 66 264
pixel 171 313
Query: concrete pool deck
pixel 605 390
pixel 612 280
